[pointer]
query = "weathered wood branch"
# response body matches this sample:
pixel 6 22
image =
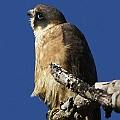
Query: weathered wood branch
pixel 105 94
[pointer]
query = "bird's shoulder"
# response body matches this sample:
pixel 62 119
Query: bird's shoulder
pixel 79 57
pixel 71 31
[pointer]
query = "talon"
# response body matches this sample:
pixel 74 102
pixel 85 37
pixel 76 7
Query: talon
pixel 51 113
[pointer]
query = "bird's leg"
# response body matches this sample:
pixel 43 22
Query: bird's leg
pixel 51 113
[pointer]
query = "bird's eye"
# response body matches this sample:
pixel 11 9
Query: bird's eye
pixel 39 16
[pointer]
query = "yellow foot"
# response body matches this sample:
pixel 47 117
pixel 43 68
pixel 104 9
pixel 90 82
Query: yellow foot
pixel 51 113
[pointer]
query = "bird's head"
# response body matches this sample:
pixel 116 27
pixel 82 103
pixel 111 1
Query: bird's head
pixel 43 17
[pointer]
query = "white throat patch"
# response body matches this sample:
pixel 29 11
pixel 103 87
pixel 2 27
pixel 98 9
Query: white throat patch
pixel 38 31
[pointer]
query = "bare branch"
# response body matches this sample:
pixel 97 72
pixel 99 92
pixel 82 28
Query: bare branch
pixel 106 94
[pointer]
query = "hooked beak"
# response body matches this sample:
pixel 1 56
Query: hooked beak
pixel 30 13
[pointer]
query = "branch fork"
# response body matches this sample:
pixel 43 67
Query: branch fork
pixel 105 94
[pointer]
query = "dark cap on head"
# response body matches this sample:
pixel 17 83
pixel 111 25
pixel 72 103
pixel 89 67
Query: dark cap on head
pixel 43 15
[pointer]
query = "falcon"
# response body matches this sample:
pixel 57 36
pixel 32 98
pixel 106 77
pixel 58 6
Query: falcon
pixel 58 41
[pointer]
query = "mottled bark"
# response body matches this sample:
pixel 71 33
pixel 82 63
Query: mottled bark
pixel 105 94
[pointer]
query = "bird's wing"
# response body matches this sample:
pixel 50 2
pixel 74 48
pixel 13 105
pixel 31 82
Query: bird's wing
pixel 78 55
pixel 79 59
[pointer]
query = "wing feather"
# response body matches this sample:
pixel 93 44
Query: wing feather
pixel 79 59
